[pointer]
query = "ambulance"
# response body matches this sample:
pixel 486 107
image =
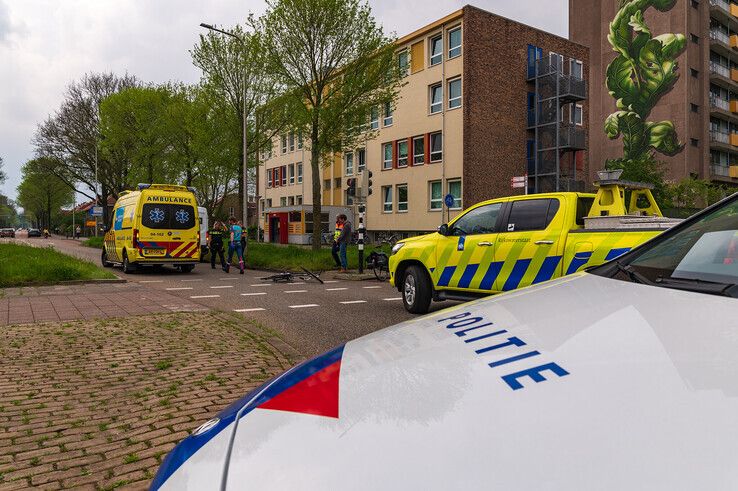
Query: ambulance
pixel 155 225
pixel 508 243
pixel 622 377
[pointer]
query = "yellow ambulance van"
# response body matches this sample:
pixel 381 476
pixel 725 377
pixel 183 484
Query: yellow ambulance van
pixel 155 225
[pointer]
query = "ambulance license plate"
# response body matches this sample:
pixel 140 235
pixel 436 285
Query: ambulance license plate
pixel 155 252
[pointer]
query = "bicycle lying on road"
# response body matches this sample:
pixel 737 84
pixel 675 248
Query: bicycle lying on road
pixel 289 277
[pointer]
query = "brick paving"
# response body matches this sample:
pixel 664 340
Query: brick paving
pixel 96 404
pixel 59 303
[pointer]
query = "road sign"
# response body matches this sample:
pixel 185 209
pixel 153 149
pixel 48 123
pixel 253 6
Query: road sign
pixel 448 200
pixel 96 211
pixel 90 223
pixel 519 181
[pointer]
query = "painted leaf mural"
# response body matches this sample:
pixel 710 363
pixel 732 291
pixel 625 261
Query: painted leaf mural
pixel 643 72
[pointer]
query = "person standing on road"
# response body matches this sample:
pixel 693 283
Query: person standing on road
pixel 335 247
pixel 343 240
pixel 234 244
pixel 215 243
pixel 77 231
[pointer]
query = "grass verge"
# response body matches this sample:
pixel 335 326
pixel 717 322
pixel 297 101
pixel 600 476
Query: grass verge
pixel 291 258
pixel 96 242
pixel 22 265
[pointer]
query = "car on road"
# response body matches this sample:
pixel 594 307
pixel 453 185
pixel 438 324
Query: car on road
pixel 624 376
pixel 7 232
pixel 34 232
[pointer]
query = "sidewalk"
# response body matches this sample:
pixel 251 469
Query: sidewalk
pixel 63 303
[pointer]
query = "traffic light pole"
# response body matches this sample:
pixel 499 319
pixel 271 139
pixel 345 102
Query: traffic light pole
pixel 362 210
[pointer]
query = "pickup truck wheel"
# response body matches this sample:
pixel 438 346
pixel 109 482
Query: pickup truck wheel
pixel 128 268
pixel 416 290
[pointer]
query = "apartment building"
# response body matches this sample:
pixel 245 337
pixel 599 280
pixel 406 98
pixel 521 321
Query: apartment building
pixel 703 104
pixel 486 99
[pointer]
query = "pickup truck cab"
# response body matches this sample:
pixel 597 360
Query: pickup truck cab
pixel 513 242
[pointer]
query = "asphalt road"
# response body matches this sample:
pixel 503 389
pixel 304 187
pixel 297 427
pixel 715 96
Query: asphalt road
pixel 312 317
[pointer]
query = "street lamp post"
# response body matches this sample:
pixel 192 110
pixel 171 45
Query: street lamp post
pixel 245 177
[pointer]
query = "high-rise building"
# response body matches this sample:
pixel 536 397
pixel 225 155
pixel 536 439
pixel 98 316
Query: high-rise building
pixel 703 102
pixel 486 99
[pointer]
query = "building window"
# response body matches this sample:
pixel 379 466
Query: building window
pixel 387 152
pixel 326 183
pixel 283 201
pixel 298 199
pixel 695 39
pixel 283 173
pixel 694 142
pixel 695 4
pixel 337 183
pixel 435 193
pixel 374 123
pixel 419 150
pixel 695 108
pixel 361 159
pixel 292 141
pixel 534 54
pixel 401 198
pixel 575 114
pixel 436 50
pixel 556 61
pixel 284 143
pixel 576 69
pixel 348 159
pixel 694 73
pixel 436 98
pixel 402 153
pixel 454 42
pixel 436 147
pixel 291 168
pixel 454 189
pixel 270 178
pixel 268 204
pixel 454 93
pixel 388 112
pixel 291 201
pixel 387 199
pixel 299 172
pixel 299 140
pixel 403 62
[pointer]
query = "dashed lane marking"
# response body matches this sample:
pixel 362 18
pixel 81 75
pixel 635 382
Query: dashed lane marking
pixel 307 305
pixel 222 286
pixel 191 281
pixel 253 294
pixel 371 287
pixel 353 301
pixel 262 284
pixel 295 291
pixel 179 288
pixel 151 281
pixel 335 289
pixel 392 299
pixel 228 279
pixel 257 309
pixel 205 296
pixel 331 281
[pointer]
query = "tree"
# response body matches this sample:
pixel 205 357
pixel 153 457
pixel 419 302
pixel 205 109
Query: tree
pixel 334 64
pixel 646 168
pixel 229 64
pixel 70 136
pixel 42 194
pixel 3 175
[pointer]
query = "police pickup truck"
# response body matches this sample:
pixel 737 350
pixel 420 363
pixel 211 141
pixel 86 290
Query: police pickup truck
pixel 512 242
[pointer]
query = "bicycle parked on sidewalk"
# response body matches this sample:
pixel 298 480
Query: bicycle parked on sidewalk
pixel 378 260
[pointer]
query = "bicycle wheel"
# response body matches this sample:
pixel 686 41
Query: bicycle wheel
pixel 381 272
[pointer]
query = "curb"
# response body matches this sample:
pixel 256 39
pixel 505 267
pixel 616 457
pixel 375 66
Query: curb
pixel 91 282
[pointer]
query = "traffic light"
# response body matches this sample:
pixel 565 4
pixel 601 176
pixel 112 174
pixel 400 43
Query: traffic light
pixel 351 184
pixel 367 182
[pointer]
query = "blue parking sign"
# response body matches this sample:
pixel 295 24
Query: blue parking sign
pixel 448 200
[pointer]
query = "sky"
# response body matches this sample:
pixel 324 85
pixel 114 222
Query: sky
pixel 46 44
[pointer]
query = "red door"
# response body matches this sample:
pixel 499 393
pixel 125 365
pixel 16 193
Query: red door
pixel 283 228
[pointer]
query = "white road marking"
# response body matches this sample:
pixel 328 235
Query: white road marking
pixel 368 287
pixel 253 294
pixel 262 284
pixel 297 283
pixel 178 288
pixel 335 289
pixel 228 279
pixel 190 281
pixel 331 281
pixel 393 298
pixel 257 309
pixel 294 291
pixel 304 306
pixel 205 296
pixel 151 281
pixel 222 286
pixel 353 301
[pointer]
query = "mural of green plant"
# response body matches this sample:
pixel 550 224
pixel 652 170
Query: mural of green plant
pixel 644 71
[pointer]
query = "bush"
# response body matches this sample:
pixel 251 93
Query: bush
pixel 96 242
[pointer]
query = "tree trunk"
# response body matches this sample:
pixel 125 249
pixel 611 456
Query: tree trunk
pixel 241 190
pixel 315 172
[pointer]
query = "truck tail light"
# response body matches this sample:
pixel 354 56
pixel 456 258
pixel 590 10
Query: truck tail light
pixel 135 237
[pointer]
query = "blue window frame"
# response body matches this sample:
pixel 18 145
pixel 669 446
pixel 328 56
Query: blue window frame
pixel 534 53
pixel 531 109
pixel 530 149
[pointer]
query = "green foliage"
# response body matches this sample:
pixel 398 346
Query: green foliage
pixel 3 175
pixel 644 71
pixel 291 258
pixel 645 168
pixel 22 265
pixel 43 194
pixel 694 194
pixel 95 242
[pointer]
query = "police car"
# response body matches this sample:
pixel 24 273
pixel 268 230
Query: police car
pixel 621 377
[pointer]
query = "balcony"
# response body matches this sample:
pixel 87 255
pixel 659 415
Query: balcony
pixel 719 137
pixel 719 36
pixel 720 43
pixel 553 82
pixel 724 76
pixel 719 104
pixel 723 108
pixel 724 11
pixel 570 138
pixel 720 170
pixel 723 140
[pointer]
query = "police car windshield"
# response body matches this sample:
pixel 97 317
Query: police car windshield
pixel 704 252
